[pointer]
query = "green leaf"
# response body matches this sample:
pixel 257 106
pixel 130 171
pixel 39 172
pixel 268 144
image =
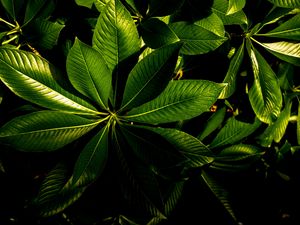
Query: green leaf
pixel 85 3
pixel 196 39
pixel 174 194
pixel 235 6
pixel 43 33
pixel 286 51
pixel 150 76
pixel 163 7
pixel 92 160
pixel 276 130
pixel 89 73
pixel 100 4
pixel 265 94
pixel 12 7
pixel 45 130
pixel 275 14
pixel 220 8
pixel 213 123
pixel 219 191
pixel 233 132
pixel 286 76
pixel 287 30
pixel 231 75
pixel 212 23
pixel 115 35
pixel 156 33
pixel 286 3
pixel 33 78
pixel 195 152
pixel 181 100
pixel 55 195
pixel 33 8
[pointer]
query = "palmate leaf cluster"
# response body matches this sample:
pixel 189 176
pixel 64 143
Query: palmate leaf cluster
pixel 123 96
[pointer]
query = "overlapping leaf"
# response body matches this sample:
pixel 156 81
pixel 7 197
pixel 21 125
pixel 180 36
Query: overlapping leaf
pixel 235 6
pixel 286 3
pixel 45 130
pixel 212 23
pixel 183 99
pixel 33 8
pixel 12 7
pixel 33 78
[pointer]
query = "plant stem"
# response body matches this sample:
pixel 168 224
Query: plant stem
pixel 7 23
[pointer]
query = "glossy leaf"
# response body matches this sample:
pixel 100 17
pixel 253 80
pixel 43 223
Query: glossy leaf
pixel 33 78
pixel 237 153
pixel 212 123
pixel 12 7
pixel 163 7
pixel 89 73
pixel 286 3
pixel 100 4
pixel 265 94
pixel 182 99
pixel 287 30
pixel 156 33
pixel 235 6
pixel 33 8
pixel 233 132
pixel 276 130
pixel 150 76
pixel 212 23
pixel 115 35
pixel 220 8
pixel 287 51
pixel 92 159
pixel 196 39
pixel 45 130
pixel 43 33
pixel 233 70
pixel 195 152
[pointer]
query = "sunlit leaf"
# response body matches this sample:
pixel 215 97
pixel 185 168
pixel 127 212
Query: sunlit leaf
pixel 235 6
pixel 212 23
pixel 286 3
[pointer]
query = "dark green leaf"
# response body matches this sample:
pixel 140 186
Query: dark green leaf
pixel 182 99
pixel 45 130
pixel 92 160
pixel 173 195
pixel 298 125
pixel 286 3
pixel 32 9
pixel 13 7
pixel 233 132
pixel 286 76
pixel 156 33
pixel 89 73
pixel 196 39
pixel 163 7
pixel 115 35
pixel 265 94
pixel 33 78
pixel 150 76
pixel 231 75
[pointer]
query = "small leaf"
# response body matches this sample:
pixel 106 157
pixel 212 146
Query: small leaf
pixel 213 123
pixel 89 73
pixel 287 51
pixel 235 6
pixel 12 7
pixel 92 160
pixel 220 8
pixel 265 94
pixel 156 33
pixel 45 130
pixel 33 78
pixel 115 35
pixel 150 76
pixel 85 3
pixel 182 99
pixel 286 3
pixel 196 39
pixel 233 132
pixel 212 23
pixel 231 75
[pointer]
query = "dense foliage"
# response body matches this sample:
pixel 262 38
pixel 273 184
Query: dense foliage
pixel 149 112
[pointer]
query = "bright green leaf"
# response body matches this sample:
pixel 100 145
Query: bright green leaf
pixel 33 78
pixel 45 130
pixel 235 6
pixel 231 75
pixel 286 3
pixel 150 76
pixel 92 159
pixel 89 73
pixel 212 23
pixel 182 99
pixel 100 4
pixel 156 33
pixel 233 132
pixel 115 35
pixel 85 3
pixel 196 39
pixel 265 94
